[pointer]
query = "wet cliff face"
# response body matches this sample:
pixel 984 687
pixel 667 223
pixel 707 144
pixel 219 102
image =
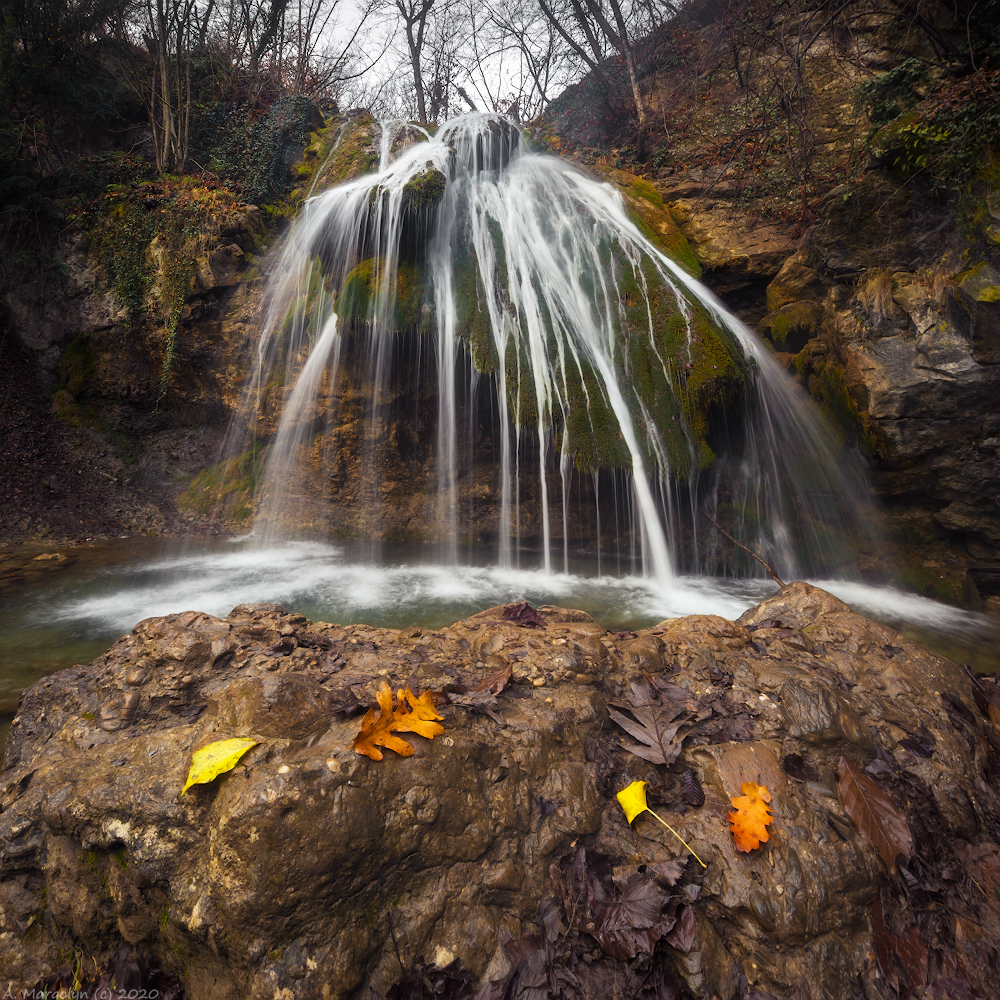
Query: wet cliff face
pixel 124 363
pixel 887 311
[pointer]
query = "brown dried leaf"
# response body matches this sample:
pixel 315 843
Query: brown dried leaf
pixel 874 813
pixel 632 922
pixel 523 614
pixel 655 728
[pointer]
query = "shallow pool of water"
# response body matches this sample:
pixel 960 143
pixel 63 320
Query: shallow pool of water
pixel 57 612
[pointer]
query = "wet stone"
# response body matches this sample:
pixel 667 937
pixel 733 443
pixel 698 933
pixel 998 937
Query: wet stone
pixel 309 871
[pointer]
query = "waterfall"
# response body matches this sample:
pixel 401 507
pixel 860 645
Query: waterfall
pixel 507 298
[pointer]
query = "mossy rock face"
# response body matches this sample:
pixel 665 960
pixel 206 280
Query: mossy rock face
pixel 792 325
pixel 358 299
pixel 979 295
pixel 674 367
pixel 76 366
pixel 340 152
pixel 646 209
pixel 227 489
pixel 425 190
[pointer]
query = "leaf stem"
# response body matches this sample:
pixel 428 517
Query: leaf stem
pixel 679 837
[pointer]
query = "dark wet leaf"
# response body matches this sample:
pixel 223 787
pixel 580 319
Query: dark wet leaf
pixel 428 982
pixel 321 642
pixel 683 935
pixel 984 691
pixel 633 921
pixel 484 695
pixel 523 614
pixel 795 767
pixel 122 975
pixel 657 728
pixel 766 623
pixel 910 950
pixel 958 711
pixel 920 744
pixel 879 769
pixel 953 989
pixel 550 918
pixel 345 701
pixel 874 813
pixel 691 789
pixel 545 806
pixel 911 881
pixel 667 872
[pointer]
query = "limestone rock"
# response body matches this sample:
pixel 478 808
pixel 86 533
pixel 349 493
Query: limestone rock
pixel 310 871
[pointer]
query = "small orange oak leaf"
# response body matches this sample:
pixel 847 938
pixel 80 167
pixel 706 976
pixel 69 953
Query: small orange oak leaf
pixel 410 715
pixel 749 822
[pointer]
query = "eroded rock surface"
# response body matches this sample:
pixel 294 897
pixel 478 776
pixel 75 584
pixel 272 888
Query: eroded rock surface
pixel 310 871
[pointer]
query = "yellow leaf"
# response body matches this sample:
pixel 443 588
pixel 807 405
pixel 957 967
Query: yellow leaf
pixel 422 707
pixel 215 759
pixel 633 800
pixel 420 719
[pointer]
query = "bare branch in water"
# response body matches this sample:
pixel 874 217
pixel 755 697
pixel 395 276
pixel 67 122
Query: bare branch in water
pixel 759 558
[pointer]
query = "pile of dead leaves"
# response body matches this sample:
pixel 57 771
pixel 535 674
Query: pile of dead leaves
pixel 935 916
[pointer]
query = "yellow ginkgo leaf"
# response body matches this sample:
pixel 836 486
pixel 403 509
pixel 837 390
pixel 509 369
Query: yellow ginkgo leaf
pixel 633 802
pixel 215 759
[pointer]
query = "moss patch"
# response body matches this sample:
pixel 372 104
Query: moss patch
pixel 226 489
pixel 646 209
pixel 361 295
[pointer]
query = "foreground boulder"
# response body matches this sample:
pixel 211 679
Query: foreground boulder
pixel 496 858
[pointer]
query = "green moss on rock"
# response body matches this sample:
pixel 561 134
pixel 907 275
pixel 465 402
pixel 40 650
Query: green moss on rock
pixel 226 489
pixel 357 301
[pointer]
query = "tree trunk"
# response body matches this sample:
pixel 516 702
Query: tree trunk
pixel 418 80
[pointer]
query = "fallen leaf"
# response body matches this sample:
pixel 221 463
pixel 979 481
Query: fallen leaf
pixel 683 935
pixel 694 794
pixel 874 813
pixel 215 759
pixel 749 822
pixel 632 799
pixel 523 614
pixel 910 950
pixel 655 726
pixel 795 767
pixel 632 922
pixel 485 694
pixel 410 715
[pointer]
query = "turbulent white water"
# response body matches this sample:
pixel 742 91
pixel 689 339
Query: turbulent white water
pixel 329 582
pixel 549 248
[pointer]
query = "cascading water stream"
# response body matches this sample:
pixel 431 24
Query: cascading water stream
pixel 514 275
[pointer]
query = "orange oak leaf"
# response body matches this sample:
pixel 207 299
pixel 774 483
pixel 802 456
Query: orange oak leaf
pixel 417 715
pixel 749 822
pixel 410 715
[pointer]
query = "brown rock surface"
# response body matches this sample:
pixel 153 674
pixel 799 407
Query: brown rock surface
pixel 309 871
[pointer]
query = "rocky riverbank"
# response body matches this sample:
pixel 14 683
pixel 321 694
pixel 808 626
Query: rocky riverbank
pixel 497 853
